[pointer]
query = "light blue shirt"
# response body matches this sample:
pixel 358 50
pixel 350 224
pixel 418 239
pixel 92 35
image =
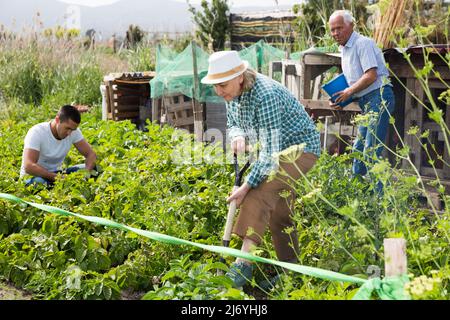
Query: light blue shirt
pixel 359 55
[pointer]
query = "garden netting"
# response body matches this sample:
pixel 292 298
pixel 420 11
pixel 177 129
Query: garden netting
pixel 174 71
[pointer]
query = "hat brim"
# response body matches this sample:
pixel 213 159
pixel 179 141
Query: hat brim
pixel 208 80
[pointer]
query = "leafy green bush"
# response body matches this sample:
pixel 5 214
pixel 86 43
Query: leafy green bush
pixel 189 280
pixel 139 186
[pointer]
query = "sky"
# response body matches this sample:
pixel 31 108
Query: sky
pixel 233 3
pixel 114 16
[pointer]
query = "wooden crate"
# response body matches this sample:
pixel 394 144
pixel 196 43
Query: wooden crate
pixel 178 111
pixel 303 79
pixel 416 116
pixel 410 113
pixel 127 95
pixel 216 123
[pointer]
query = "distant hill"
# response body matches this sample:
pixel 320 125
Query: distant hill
pixel 154 15
pixel 157 15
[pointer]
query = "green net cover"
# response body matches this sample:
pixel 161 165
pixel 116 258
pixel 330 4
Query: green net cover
pixel 260 55
pixel 164 57
pixel 176 76
pixel 174 72
pixel 267 54
pixel 298 54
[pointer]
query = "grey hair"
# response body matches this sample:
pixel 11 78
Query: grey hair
pixel 249 79
pixel 345 14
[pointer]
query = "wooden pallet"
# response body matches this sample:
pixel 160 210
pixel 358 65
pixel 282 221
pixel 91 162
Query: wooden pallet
pixel 415 115
pixel 216 123
pixel 410 113
pixel 127 95
pixel 178 110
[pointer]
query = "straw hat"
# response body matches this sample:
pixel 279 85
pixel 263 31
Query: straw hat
pixel 224 66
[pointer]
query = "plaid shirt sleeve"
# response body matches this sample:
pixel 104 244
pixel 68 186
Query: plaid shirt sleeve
pixel 232 124
pixel 269 120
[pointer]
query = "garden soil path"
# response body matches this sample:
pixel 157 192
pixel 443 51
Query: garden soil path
pixel 9 292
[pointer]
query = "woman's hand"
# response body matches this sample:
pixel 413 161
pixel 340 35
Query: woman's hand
pixel 238 145
pixel 239 194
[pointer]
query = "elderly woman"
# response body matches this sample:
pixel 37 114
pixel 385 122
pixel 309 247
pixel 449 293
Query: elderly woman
pixel 262 111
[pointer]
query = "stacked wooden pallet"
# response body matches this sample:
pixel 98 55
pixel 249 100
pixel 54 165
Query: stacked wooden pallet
pixel 127 95
pixel 389 21
pixel 178 111
pixel 216 123
pixel 429 152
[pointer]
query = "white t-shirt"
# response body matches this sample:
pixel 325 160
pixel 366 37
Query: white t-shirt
pixel 51 150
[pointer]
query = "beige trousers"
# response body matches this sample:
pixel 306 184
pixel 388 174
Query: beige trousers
pixel 264 206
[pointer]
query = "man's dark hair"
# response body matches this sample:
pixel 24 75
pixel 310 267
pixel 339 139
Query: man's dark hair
pixel 69 112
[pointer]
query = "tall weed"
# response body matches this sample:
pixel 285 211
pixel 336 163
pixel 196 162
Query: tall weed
pixel 35 71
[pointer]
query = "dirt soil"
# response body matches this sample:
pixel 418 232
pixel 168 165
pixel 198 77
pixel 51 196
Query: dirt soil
pixel 131 295
pixel 9 292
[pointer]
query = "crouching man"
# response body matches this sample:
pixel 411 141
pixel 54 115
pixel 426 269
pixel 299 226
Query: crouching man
pixel 46 145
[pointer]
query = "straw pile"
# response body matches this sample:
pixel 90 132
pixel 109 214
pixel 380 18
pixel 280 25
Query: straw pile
pixel 388 21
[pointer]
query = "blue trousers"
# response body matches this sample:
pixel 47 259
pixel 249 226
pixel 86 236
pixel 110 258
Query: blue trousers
pixel 40 180
pixel 370 138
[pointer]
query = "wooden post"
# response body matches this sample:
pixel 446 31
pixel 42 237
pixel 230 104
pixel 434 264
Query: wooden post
pixel 156 109
pixel 112 102
pixel 196 105
pixel 413 117
pixel 145 110
pixel 395 262
pixel 271 69
pixel 306 77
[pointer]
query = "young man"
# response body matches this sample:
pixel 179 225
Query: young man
pixel 46 145
pixel 364 68
pixel 263 112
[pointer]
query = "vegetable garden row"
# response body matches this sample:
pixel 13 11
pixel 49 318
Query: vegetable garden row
pixel 57 257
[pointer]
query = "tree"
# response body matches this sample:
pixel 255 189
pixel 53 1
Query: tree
pixel 90 39
pixel 212 24
pixel 312 23
pixel 134 36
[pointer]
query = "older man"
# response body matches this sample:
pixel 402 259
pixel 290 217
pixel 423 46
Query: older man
pixel 47 144
pixel 364 68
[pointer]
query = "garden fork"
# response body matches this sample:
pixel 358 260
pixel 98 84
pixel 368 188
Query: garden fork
pixel 232 208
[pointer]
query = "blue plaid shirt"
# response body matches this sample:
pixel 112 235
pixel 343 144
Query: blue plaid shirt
pixel 271 115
